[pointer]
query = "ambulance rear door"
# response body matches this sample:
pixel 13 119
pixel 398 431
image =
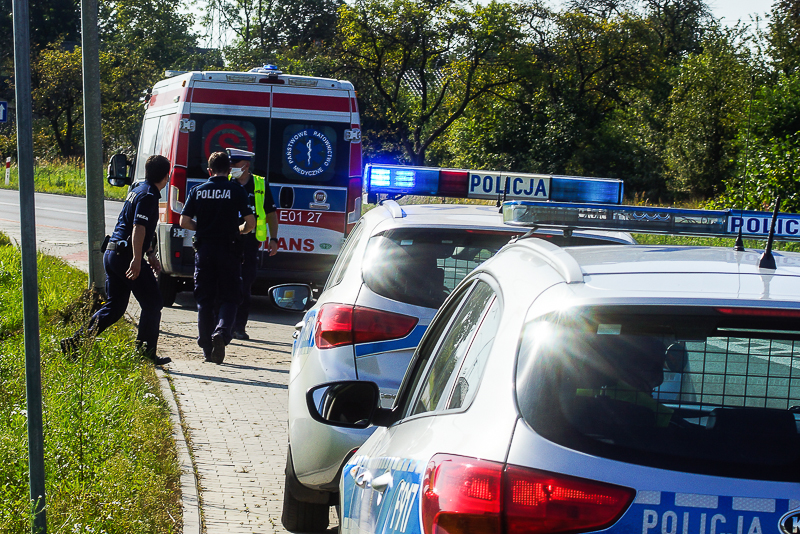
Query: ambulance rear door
pixel 309 172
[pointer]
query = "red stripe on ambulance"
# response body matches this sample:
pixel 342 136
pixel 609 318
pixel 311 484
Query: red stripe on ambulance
pixel 230 98
pixel 311 102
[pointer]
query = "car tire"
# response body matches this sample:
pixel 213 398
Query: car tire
pixel 300 516
pixel 168 286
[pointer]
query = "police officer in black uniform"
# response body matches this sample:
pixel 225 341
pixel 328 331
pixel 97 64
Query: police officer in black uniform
pixel 217 205
pixel 125 267
pixel 257 189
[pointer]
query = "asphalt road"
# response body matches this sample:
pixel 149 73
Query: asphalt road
pixel 60 223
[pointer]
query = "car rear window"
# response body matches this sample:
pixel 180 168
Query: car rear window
pixel 711 391
pixel 421 266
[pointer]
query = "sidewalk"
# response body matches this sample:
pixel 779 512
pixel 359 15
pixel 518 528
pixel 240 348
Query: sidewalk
pixel 236 417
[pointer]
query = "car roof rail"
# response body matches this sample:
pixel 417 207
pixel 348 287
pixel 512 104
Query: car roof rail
pixel 393 208
pixel 558 258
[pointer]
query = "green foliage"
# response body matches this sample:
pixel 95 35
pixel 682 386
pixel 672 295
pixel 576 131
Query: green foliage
pixel 709 106
pixel 751 245
pixel 783 37
pixel 774 153
pixel 419 65
pixel 57 98
pixel 151 30
pixel 109 455
pixel 266 31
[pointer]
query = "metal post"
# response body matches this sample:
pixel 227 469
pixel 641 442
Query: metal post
pixel 30 290
pixel 93 142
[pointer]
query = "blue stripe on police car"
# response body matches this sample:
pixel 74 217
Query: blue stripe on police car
pixel 655 512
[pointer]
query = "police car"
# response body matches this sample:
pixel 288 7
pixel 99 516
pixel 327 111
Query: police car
pixel 533 402
pixel 396 268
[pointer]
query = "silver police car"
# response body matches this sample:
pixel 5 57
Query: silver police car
pixel 535 401
pixel 396 268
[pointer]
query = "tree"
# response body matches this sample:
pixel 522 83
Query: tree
pixel 578 72
pixel 153 30
pixel 268 29
pixel 50 21
pixel 709 106
pixel 773 155
pixel 420 64
pixel 57 96
pixel 783 37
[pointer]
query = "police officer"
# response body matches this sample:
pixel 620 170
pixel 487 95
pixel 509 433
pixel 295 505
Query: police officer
pixel 260 200
pixel 217 205
pixel 125 267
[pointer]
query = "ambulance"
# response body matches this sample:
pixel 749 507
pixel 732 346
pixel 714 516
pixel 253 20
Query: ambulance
pixel 306 134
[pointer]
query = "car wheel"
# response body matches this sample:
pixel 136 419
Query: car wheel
pixel 168 286
pixel 300 516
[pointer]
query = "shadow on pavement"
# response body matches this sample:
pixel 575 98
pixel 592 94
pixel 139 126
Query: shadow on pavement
pixel 210 378
pixel 260 310
pixel 252 368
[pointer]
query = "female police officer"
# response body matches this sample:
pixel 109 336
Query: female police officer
pixel 125 267
pixel 217 205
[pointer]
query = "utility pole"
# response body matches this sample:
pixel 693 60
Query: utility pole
pixel 30 289
pixel 93 142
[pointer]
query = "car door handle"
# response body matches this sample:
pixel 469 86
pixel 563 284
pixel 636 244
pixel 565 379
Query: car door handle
pixel 382 482
pixel 361 477
pixel 297 328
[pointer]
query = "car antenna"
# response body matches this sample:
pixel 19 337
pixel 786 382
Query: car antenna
pixel 739 245
pixel 505 194
pixel 767 261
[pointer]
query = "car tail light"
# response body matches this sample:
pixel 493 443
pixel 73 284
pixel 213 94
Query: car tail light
pixel 463 495
pixel 536 501
pixel 370 325
pixel 344 324
pixel 334 326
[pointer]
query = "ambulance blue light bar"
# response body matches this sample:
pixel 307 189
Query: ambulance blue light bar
pixel 459 183
pixel 651 220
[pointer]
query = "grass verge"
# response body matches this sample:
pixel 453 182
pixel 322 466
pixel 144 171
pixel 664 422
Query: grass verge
pixel 671 240
pixel 65 177
pixel 109 455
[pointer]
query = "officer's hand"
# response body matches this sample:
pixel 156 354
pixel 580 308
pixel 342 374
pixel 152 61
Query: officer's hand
pixel 273 248
pixel 133 271
pixel 154 263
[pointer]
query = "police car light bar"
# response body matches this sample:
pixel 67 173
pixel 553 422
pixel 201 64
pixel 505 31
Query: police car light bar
pixel 458 183
pixel 651 220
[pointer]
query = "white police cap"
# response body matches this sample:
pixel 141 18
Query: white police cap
pixel 236 154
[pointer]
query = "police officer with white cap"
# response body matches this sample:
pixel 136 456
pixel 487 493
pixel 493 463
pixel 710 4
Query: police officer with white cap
pixel 212 210
pixel 260 200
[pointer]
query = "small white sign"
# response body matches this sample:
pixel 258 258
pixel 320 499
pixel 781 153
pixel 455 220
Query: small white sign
pixel 787 225
pixel 491 185
pixel 8 171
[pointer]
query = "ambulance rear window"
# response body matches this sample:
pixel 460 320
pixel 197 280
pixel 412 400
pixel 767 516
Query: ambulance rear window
pixel 691 390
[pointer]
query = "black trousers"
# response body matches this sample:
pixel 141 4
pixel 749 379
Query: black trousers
pixel 217 281
pixel 118 293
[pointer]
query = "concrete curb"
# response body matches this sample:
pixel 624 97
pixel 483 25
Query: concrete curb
pixel 189 482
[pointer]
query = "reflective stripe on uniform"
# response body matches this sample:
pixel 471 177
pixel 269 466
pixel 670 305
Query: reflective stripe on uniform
pixel 261 216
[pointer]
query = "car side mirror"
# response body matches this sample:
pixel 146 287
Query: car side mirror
pixel 348 404
pixel 291 297
pixel 118 175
